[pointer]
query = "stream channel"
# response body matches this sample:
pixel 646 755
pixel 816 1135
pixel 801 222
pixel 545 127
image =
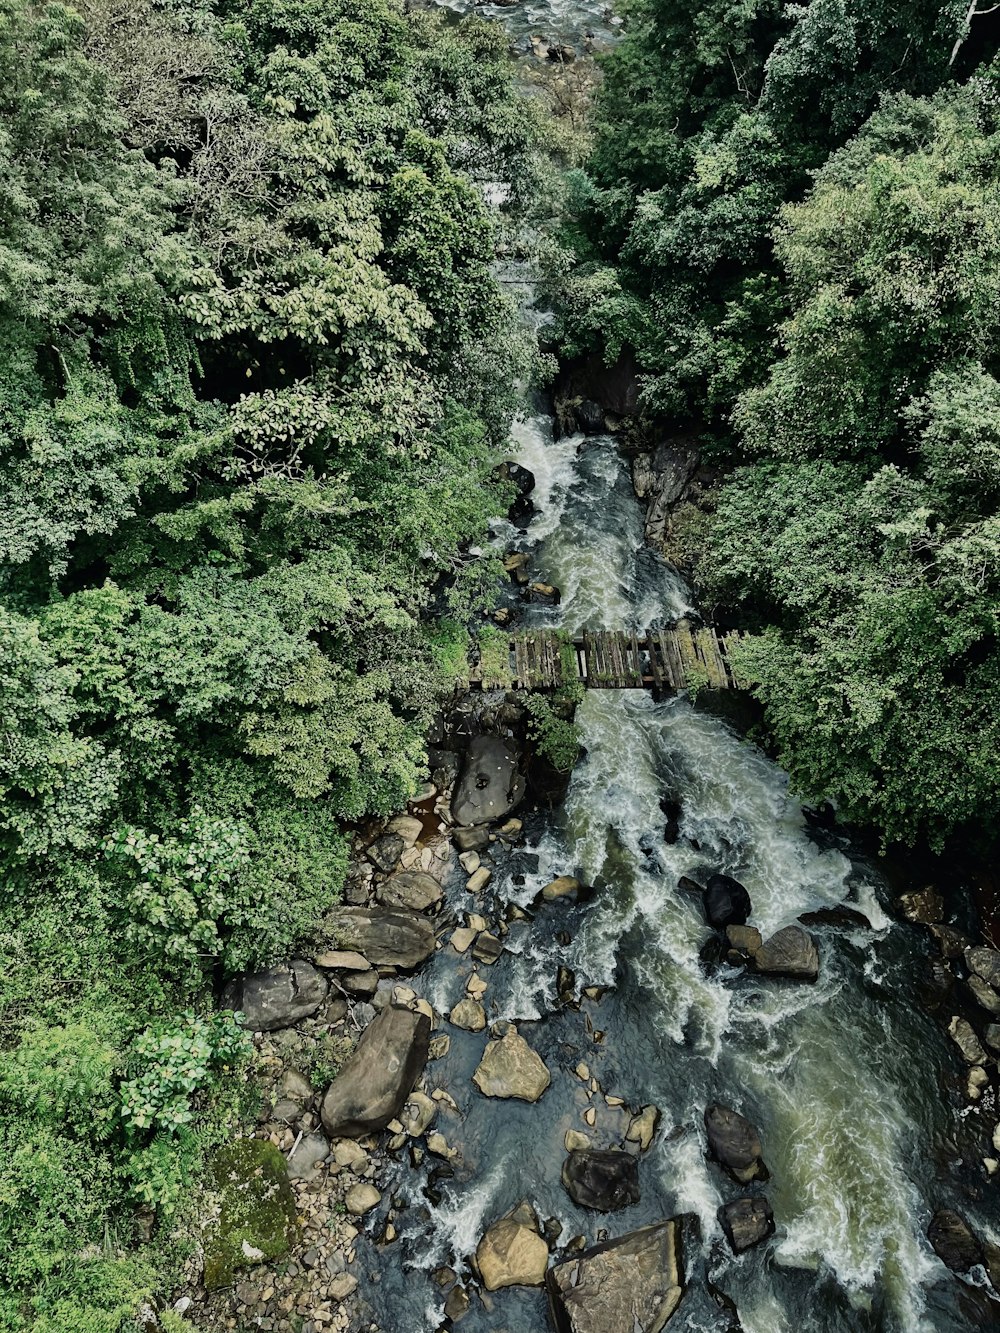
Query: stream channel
pixel 847 1080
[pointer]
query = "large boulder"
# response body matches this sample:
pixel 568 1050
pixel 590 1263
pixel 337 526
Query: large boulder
pixel 410 890
pixel 510 1068
pixel 954 1242
pixel 372 1087
pixel 512 1253
pixel 629 1285
pixel 727 902
pixel 386 936
pixel 963 1034
pixel 256 1219
pixel 490 786
pixel 523 483
pixel 602 1180
pixel 985 963
pixel 791 952
pixel 747 1222
pixel 735 1144
pixel 276 997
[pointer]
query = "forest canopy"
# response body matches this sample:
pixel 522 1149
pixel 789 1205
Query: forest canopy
pixel 254 370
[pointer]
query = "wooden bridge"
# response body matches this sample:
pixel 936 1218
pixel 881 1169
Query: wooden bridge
pixel 685 657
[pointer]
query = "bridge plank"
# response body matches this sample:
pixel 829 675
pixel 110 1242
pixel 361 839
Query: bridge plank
pixel 672 659
pixel 588 654
pixel 688 652
pixel 520 665
pixel 638 678
pixel 728 641
pixel 708 648
pixel 655 670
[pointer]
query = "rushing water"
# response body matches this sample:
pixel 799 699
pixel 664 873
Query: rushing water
pixel 842 1078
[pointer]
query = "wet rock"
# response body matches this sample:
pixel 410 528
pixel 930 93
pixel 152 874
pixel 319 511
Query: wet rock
pixel 469 1015
pixel 688 885
pixel 984 995
pixel 924 907
pixel 512 1253
pixel 671 809
pixel 565 984
pixel 747 1222
pixel 661 479
pixel 457 1304
pixel 953 1241
pixel 412 890
pixel 362 985
pixel 342 960
pixel 563 887
pixel 257 1219
pixel 603 1180
pixel 471 839
pixel 278 997
pixel 386 936
pixel 510 1068
pixel 632 1284
pixel 791 952
pixel 841 918
pixel 992 1036
pixel 479 879
pixel 951 942
pixel 575 1140
pixel 490 786
pixel 745 940
pixel 984 963
pixel 386 851
pixel 487 948
pixel 735 1144
pixel 643 1127
pixel 307 1156
pixel 523 482
pixel 962 1033
pixel 545 593
pixel 378 1077
pixel 726 901
pixel 444 766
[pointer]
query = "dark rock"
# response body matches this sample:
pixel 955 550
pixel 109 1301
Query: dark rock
pixel 629 1285
pixel 372 1087
pixel 688 885
pixel 735 1144
pixel 565 984
pixel 791 952
pixel 457 1304
pixel 360 985
pixel 747 1222
pixel 951 942
pixel 984 995
pixel 841 918
pixel 744 940
pixel 661 479
pixel 471 839
pixel 727 902
pixel 444 766
pixel 386 851
pixel 490 786
pixel 953 1241
pixel 277 997
pixel 992 1036
pixel 671 808
pixel 487 947
pixel 523 482
pixel 924 907
pixel 985 963
pixel 387 936
pixel 413 890
pixel 602 1180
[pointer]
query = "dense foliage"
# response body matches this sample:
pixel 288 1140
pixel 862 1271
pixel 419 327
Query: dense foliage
pixel 253 369
pixel 791 217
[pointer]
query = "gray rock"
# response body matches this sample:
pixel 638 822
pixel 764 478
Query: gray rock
pixel 490 786
pixel 747 1222
pixel 603 1180
pixel 468 1014
pixel 386 851
pixel 962 1033
pixel 386 936
pixel 629 1285
pixel 379 1076
pixel 306 1157
pixel 735 1144
pixel 924 907
pixel 277 997
pixel 471 839
pixel 413 890
pixel 985 963
pixel 791 952
pixel 984 994
pixel 510 1068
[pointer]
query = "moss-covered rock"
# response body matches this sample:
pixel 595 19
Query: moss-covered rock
pixel 256 1220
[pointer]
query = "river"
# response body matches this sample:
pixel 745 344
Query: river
pixel 846 1080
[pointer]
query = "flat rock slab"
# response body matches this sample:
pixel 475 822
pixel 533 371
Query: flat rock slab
pixel 791 952
pixel 747 1222
pixel 386 936
pixel 490 786
pixel 510 1068
pixel 278 997
pixel 733 1142
pixel 380 1074
pixel 629 1285
pixel 412 890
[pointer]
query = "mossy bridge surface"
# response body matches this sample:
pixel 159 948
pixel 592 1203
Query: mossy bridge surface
pixel 684 657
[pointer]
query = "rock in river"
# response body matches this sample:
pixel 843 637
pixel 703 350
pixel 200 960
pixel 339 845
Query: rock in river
pixel 747 1222
pixel 512 1253
pixel 733 1141
pixel 791 952
pixel 386 936
pixel 490 785
pixel 985 963
pixel 278 997
pixel 510 1068
pixel 629 1285
pixel 374 1084
pixel 412 890
pixel 727 902
pixel 602 1180
pixel 953 1241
